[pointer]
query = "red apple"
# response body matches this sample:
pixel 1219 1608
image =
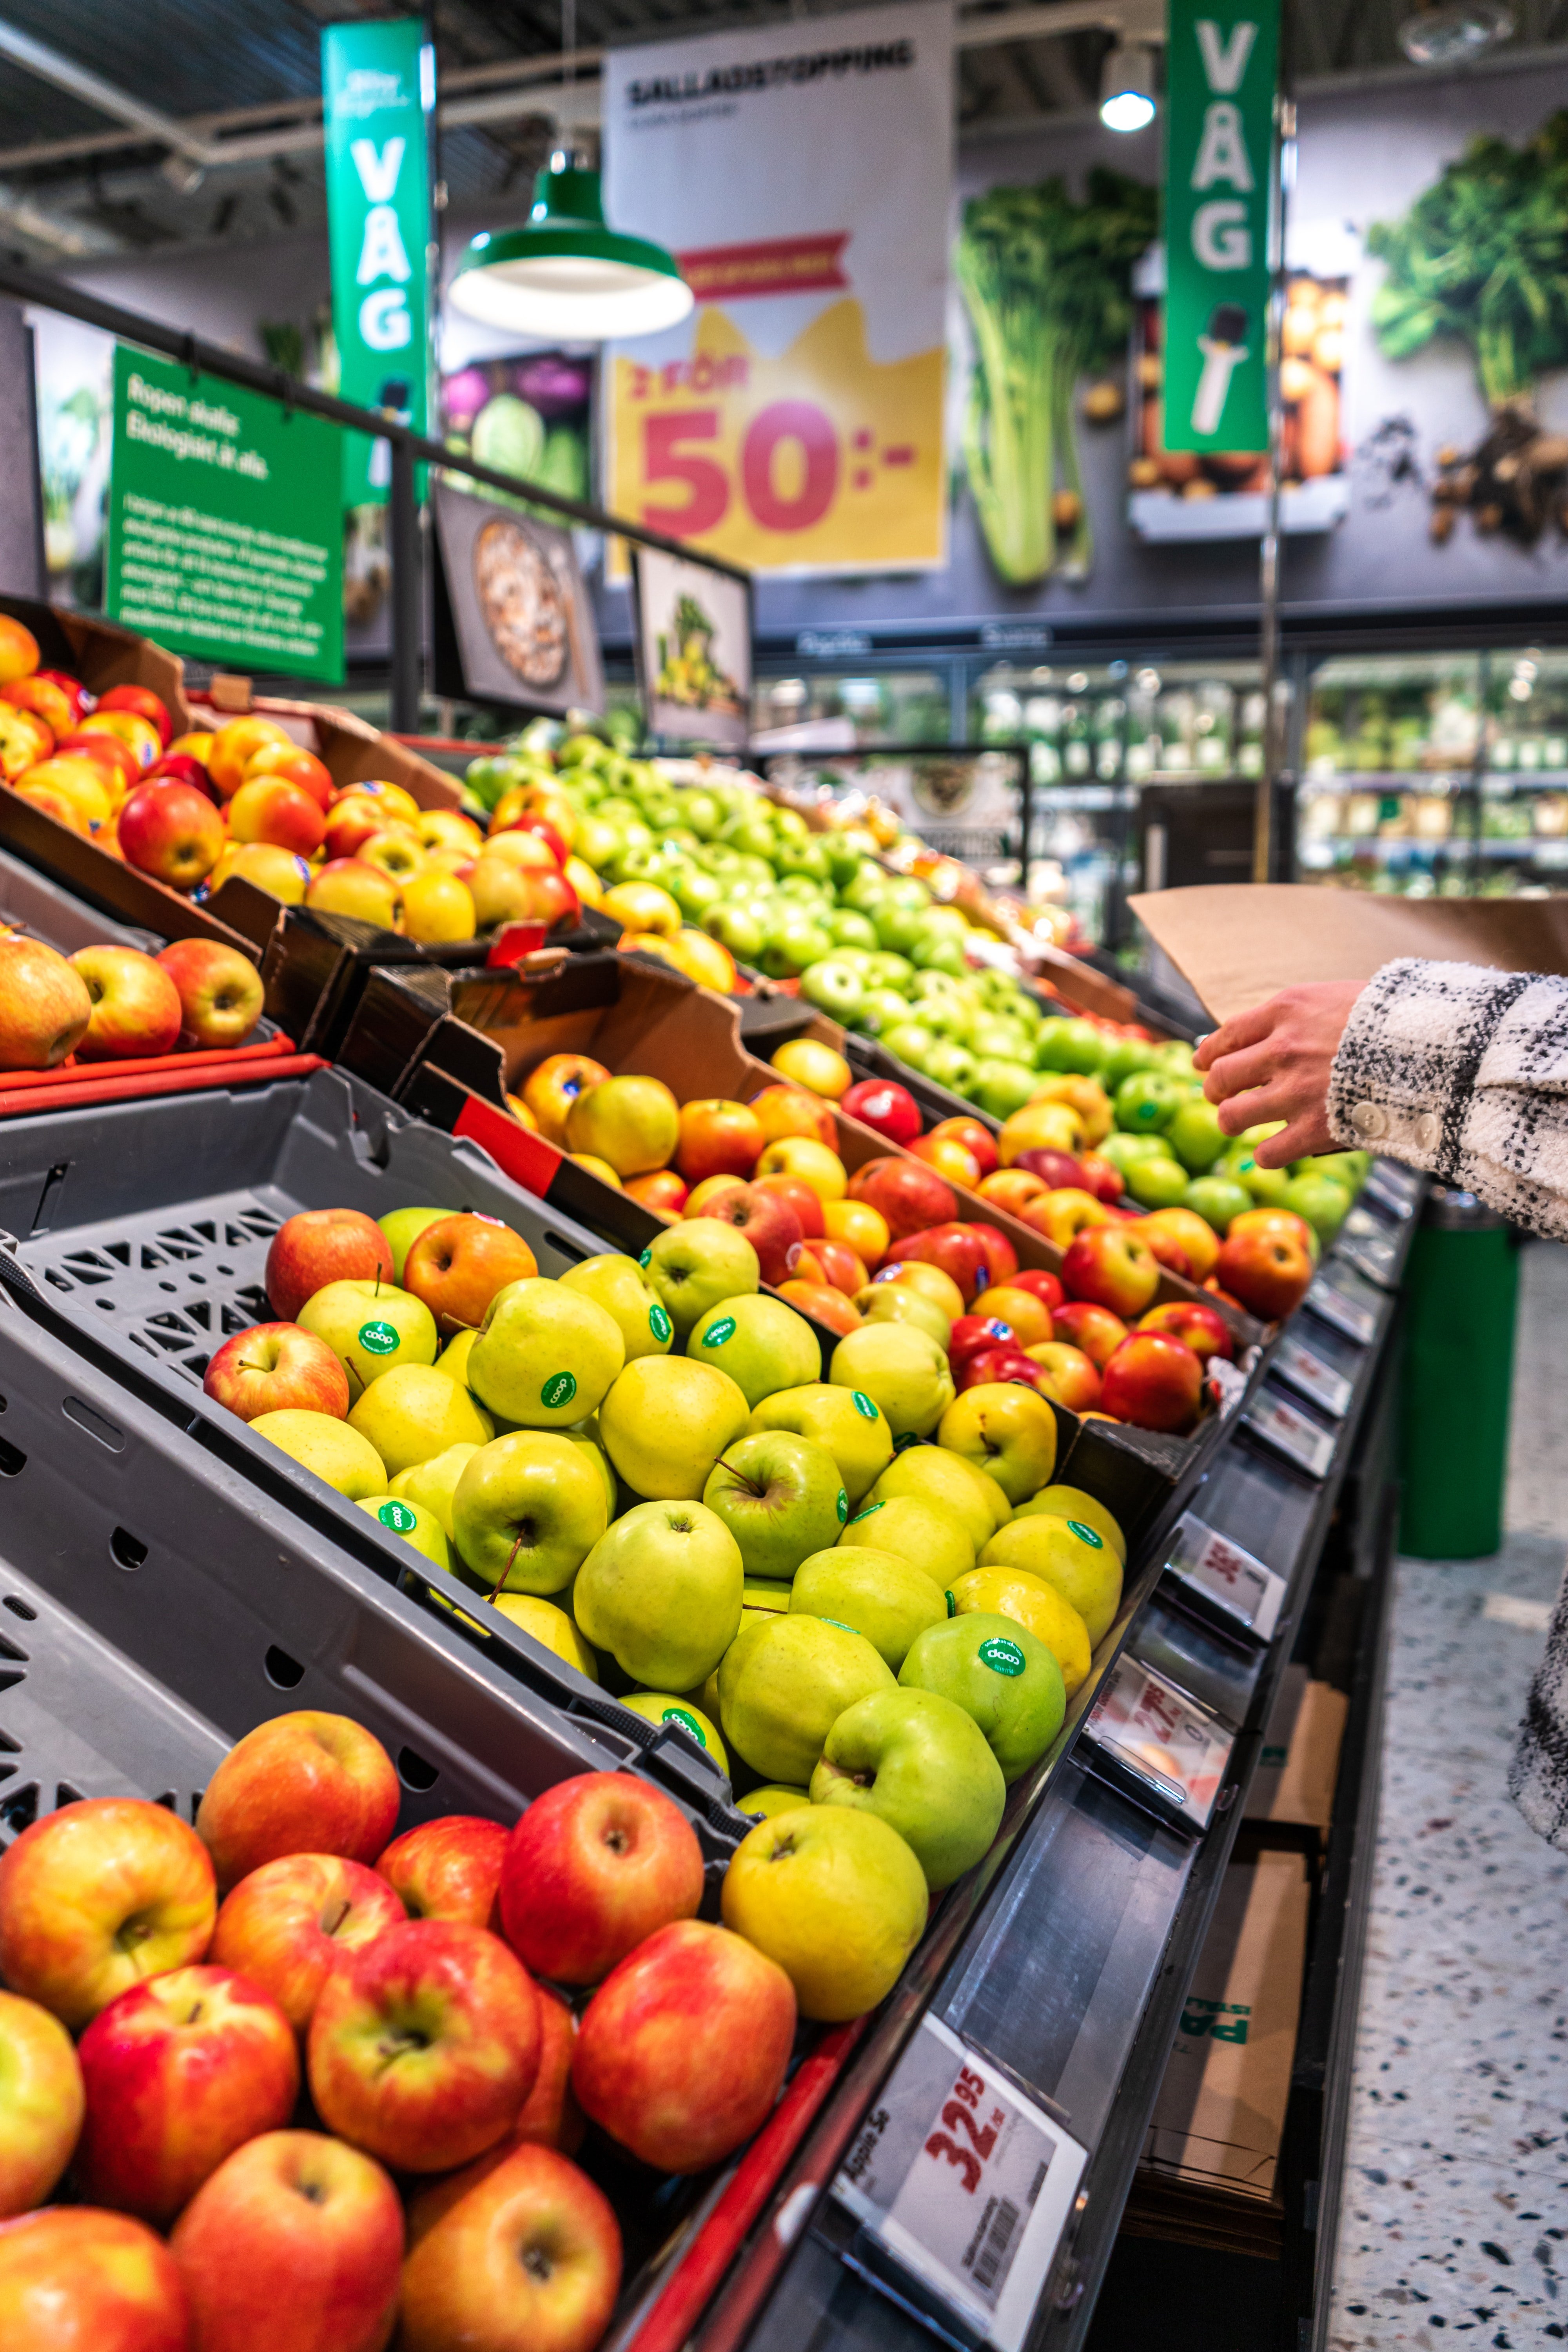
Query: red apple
pixel 550 2113
pixel 321 1246
pixel 287 1926
pixel 1045 1287
pixel 823 1304
pixel 662 1190
pixel 906 1193
pixel 1267 1268
pixel 521 2254
pixel 296 766
pixel 1202 1328
pixel 294 2242
pixel 595 1864
pixel 41 2112
pixel 957 1249
pixel 276 1368
pixel 449 1869
pixel 145 703
pixel 71 688
pixel 806 1204
pixel 683 2050
pixel 136 1009
pixel 718 1139
pixel 73 2279
pixel 951 1162
pixel 172 832
pixel 1155 1382
pixel 128 727
pixel 1001 1257
pixel 1099 1177
pixel 771 1228
pixel 976 1137
pixel 424 2045
pixel 302 1783
pixel 458 1264
pixel 549 897
pixel 977 1335
pixel 1113 1266
pixel 1067 1375
pixel 1275 1220
pixel 179 2073
pixel 44 1006
pixel 219 990
pixel 840 1266
pixel 1012 1189
pixel 891 1110
pixel 1054 1168
pixel 1095 1329
pixel 269 808
pixel 791 1110
pixel 97 1896
pixel 997 1365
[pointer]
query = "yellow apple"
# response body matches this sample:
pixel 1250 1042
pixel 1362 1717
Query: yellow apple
pixel 328 1446
pixel 836 1897
pixel 1007 1431
pixel 415 1412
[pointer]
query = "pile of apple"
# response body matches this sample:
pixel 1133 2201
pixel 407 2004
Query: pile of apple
pixel 112 1003
pixel 307 2080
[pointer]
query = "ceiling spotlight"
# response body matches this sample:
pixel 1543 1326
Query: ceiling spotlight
pixel 1455 30
pixel 1127 88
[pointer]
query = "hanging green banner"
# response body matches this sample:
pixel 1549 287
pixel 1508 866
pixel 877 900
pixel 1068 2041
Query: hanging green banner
pixel 378 83
pixel 1219 151
pixel 225 530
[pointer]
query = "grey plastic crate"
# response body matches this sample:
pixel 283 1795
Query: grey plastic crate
pixel 48 912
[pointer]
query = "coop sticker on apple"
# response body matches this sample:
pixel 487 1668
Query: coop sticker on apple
pixel 843 1507
pixel 1002 1657
pixel 379 1339
pixel 863 1405
pixel 398 1517
pixel 724 1329
pixel 964 2184
pixel 558 1390
pixel 660 1324
pixel 1087 1535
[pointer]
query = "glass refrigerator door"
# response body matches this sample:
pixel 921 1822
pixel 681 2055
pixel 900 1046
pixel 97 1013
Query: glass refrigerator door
pixel 1390 754
pixel 1523 846
pixel 896 705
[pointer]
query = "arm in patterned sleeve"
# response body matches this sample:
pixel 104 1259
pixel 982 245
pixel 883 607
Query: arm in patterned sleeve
pixel 1463 1072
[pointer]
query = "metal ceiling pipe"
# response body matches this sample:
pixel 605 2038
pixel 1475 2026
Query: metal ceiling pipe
pixel 48 65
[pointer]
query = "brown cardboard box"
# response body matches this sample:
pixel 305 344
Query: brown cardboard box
pixel 353 751
pixel 101 655
pixel 1300 1763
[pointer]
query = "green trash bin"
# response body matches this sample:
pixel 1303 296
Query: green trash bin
pixel 1460 1285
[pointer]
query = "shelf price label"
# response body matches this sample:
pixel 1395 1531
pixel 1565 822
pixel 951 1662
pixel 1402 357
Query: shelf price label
pixel 1174 1750
pixel 1209 1564
pixel 1290 1433
pixel 1308 1374
pixel 1335 1304
pixel 965 2183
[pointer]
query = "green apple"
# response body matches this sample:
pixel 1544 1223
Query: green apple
pixel 666 1421
pixel 780 1496
pixel 1009 1432
pixel 415 1412
pixel 1068 1554
pixel 932 1474
pixel 910 1042
pixel 526 1511
pixel 873 1593
pixel 432 1483
pixel 999 1088
pixel 1147 1102
pixel 998 1673
pixel 1325 1203
pixel 1266 1186
pixel 370 1327
pixel 1157 1184
pixel 545 1355
pixel 1124 1151
pixel 899 1302
pixel 784 1682
pixel 846 1420
pixel 767 1593
pixel 413 1522
pixel 1216 1200
pixel 772 1798
pixel 915 1528
pixel 590 1438
pixel 620 1286
pixel 852 929
pixel 950 1065
pixel 695 1264
pixel 881 1010
pixel 403 1228
pixel 661 1592
pixel 923 1766
pixel 835 988
pixel 1195 1136
pixel 320 1441
pixel 453 1358
pixel 893 971
pixel 902 1370
pixel 1076 1045
pixel 1078 1503
pixel 736 927
pixel 668 1707
pixel 762 1343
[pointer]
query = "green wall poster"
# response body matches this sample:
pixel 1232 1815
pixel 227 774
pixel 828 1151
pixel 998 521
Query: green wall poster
pixel 225 521
pixel 1219 151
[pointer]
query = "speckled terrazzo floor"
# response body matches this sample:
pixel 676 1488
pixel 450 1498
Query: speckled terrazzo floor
pixel 1454 2214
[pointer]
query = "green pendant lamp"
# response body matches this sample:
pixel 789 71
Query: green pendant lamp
pixel 566 276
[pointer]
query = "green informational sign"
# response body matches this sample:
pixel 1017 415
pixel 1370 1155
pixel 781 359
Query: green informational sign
pixel 378 83
pixel 1219 148
pixel 225 521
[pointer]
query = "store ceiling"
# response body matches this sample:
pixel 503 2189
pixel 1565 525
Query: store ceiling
pixel 75 182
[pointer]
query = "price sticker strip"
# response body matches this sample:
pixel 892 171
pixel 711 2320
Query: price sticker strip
pixel 1248 1594
pixel 1306 1373
pixel 965 2183
pixel 1291 1432
pixel 1174 1748
pixel 1357 1318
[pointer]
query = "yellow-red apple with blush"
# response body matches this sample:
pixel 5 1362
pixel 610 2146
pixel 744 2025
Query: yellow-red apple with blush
pixel 595 1864
pixel 306 1782
pixel 41 2112
pixel 458 1264
pixel 449 1869
pixel 1078 1323
pixel 718 1139
pixel 288 1925
pixel 316 1246
pixel 276 1368
pixel 99 1896
pixel 550 1089
pixel 522 2252
pixel 76 2279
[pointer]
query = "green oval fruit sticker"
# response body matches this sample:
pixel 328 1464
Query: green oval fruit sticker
pixel 951 1604
pixel 686 1722
pixel 558 1390
pixel 660 1324
pixel 839 1623
pixel 865 1512
pixel 398 1517
pixel 843 1507
pixel 1087 1535
pixel 717 1333
pixel 379 1339
pixel 863 1405
pixel 1001 1657
pixel 647 1257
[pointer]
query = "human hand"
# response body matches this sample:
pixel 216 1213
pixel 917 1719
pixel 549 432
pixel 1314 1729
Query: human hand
pixel 1274 1063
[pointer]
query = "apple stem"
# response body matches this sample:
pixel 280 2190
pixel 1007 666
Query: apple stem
pixel 751 1485
pixel 494 1592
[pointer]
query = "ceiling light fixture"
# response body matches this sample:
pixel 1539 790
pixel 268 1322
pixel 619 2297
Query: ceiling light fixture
pixel 566 274
pixel 1127 88
pixel 1449 34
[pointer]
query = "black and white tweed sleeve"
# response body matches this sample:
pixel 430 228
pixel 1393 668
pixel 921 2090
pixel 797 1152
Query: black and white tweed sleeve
pixel 1463 1072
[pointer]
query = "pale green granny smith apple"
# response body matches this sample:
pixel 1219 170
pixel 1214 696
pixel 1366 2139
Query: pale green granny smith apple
pixel 403 1228
pixel 923 1764
pixel 784 1682
pixel 874 1593
pixel 936 1474
pixel 415 1525
pixel 695 1264
pixel 526 1511
pixel 661 1592
pixel 913 1528
pixel 620 1286
pixel 763 1345
pixel 432 1483
pixel 846 1420
pixel 781 1497
pixel 902 1370
pixel 1000 1673
pixel 371 1328
pixel 415 1412
pixel 545 1355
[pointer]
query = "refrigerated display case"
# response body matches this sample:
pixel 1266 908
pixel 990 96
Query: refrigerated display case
pixel 885 705
pixel 1522 839
pixel 1391 757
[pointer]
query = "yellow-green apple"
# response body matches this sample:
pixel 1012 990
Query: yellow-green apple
pixel 665 1423
pixel 457 1266
pixel 766 1220
pixel 593 1866
pixel 44 1006
pixel 277 871
pixel 75 2279
pixel 929 1474
pixel 899 1302
pixel 1001 1674
pixel 634 1123
pixel 781 1497
pixel 136 1009
pixel 874 1593
pixel 97 1896
pixel 906 1194
pixel 930 1281
pixel 783 1683
pixel 782 1110
pixel 370 1326
pixel 1068 1554
pixel 545 1355
pixel 411 1523
pixel 914 1528
pixel 1155 1382
pixel 274 1367
pixel 527 1510
pixel 219 990
pixel 718 1139
pixel 286 1926
pixel 352 886
pixel 693 1264
pixel 836 1897
pixel 762 1344
pixel 1202 1329
pixel 449 1869
pixel 846 1420
pixel 550 1089
pixel 319 1246
pixel 40 2103
pixel 956 1248
pixel 806 1062
pixel 397 849
pixel 810 1208
pixel 1006 1430
pixel 269 808
pixel 301 1783
pixel 1076 1503
pixel 902 1370
pixel 415 1412
pixel 1067 1374
pixel 178 2073
pixel 682 2050
pixel 619 1285
pixel 295 2241
pixel 424 2045
pixel 170 831
pixel 813 1163
pixel 923 1766
pixel 1081 1324
pixel 661 1591
pixel 320 1443
pixel 1112 1265
pixel 1061 1216
pixel 529 2254
pixel 1269 1268
pixel 403 1228
pixel 437 907
pixel 432 1486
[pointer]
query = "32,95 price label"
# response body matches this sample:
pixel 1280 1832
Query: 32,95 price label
pixel 965 2183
